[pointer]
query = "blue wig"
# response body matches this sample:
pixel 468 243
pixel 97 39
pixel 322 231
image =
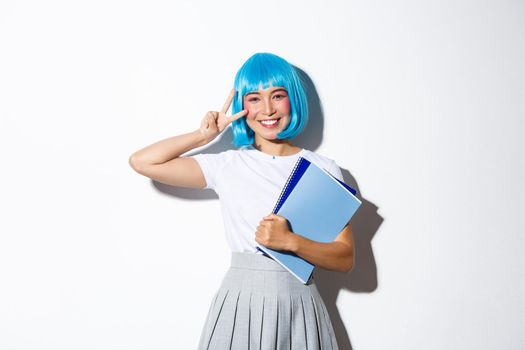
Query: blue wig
pixel 267 69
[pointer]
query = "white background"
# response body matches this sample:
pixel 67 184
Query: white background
pixel 421 103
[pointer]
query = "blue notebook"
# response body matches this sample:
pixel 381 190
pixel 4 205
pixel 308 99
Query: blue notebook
pixel 317 206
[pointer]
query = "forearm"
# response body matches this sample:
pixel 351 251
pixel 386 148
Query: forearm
pixel 168 149
pixel 335 256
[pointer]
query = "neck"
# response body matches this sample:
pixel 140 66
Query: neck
pixel 275 147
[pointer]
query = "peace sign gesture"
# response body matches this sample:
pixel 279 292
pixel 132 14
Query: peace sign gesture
pixel 214 123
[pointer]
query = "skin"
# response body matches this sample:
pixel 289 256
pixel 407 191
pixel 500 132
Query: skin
pixel 273 230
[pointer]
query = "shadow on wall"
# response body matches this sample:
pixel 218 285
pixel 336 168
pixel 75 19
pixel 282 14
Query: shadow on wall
pixel 365 223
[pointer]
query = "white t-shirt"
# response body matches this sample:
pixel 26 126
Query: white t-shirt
pixel 248 183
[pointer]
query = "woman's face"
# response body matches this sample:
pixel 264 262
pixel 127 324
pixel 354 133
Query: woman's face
pixel 271 105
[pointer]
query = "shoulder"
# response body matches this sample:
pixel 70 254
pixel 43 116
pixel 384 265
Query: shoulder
pixel 324 162
pixel 319 159
pixel 214 162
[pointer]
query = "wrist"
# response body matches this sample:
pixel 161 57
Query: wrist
pixel 293 242
pixel 201 139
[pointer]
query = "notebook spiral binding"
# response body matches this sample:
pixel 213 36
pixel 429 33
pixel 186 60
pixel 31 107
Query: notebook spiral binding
pixel 285 188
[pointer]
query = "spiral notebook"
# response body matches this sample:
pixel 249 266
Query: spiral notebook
pixel 317 206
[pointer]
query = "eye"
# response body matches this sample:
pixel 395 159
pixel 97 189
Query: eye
pixel 279 96
pixel 253 99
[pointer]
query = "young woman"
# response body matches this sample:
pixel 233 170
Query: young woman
pixel 259 304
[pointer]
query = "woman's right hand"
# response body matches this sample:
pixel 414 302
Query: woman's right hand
pixel 214 123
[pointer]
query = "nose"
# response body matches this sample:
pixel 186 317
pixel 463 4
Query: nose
pixel 269 108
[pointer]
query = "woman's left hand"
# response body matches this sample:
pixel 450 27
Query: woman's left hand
pixel 273 232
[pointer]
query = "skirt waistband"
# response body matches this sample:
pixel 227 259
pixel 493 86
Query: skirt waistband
pixel 253 261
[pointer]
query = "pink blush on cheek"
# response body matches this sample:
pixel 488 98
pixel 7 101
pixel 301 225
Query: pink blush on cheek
pixel 286 107
pixel 251 112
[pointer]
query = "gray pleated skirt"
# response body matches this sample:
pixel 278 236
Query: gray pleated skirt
pixel 260 305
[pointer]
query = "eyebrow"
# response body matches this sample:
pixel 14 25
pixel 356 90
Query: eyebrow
pixel 258 93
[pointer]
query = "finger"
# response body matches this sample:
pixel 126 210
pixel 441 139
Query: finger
pixel 228 102
pixel 278 217
pixel 238 115
pixel 210 117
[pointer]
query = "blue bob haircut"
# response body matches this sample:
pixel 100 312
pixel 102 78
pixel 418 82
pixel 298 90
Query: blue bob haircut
pixel 266 69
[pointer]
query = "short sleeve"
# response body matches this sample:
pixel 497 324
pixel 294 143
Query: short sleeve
pixel 211 165
pixel 336 171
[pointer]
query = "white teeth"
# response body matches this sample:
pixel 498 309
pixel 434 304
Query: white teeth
pixel 269 122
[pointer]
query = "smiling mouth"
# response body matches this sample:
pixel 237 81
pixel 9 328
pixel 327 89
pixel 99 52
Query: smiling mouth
pixel 269 123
